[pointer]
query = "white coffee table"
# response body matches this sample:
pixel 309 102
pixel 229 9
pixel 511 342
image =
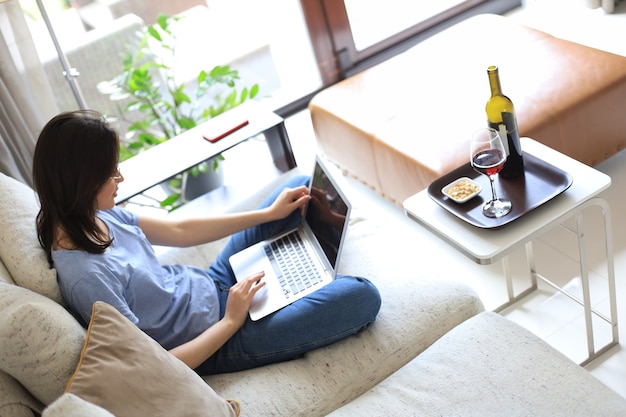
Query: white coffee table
pixel 486 246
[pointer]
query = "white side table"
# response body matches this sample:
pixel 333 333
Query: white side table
pixel 485 246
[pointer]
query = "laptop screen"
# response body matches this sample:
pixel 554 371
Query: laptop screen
pixel 327 213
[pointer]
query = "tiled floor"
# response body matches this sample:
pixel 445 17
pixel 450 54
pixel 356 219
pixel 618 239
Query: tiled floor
pixel 552 316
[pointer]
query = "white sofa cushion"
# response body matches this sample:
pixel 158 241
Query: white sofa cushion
pixel 39 340
pixel 489 366
pixel 329 377
pixel 20 251
pixel 70 405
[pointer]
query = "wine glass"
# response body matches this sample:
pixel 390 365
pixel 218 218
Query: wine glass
pixel 487 156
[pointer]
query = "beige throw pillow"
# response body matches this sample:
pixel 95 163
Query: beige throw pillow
pixel 126 372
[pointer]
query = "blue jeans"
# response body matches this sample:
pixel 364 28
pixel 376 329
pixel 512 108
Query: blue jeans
pixel 343 308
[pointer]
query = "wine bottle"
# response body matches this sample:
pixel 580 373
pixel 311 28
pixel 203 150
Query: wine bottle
pixel 501 117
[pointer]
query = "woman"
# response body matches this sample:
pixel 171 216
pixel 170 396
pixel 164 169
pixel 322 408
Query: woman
pixel 103 252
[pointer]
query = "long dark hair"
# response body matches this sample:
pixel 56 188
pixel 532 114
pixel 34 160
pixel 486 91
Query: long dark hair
pixel 76 154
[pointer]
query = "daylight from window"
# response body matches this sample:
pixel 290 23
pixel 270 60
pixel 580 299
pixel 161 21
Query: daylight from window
pixel 269 46
pixel 372 21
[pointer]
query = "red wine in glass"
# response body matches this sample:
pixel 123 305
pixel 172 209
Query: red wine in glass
pixel 487 157
pixel 488 162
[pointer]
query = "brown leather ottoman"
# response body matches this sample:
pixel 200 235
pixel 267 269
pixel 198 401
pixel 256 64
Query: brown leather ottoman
pixel 405 122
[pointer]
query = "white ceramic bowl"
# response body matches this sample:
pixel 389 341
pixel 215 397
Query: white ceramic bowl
pixel 462 189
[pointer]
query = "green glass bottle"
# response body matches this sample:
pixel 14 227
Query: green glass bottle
pixel 501 117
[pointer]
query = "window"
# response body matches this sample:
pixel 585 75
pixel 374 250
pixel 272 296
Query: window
pixel 351 35
pixel 372 21
pixel 266 41
pixel 292 49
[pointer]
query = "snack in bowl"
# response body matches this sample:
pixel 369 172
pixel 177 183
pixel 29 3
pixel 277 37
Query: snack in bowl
pixel 462 189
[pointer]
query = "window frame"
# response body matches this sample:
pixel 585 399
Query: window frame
pixel 333 44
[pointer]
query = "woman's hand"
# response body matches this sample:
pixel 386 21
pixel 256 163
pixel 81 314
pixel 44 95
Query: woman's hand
pixel 289 200
pixel 240 297
pixel 199 349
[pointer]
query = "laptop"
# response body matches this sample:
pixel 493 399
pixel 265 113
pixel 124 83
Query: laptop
pixel 312 250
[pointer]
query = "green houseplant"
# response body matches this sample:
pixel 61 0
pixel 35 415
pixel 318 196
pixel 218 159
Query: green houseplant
pixel 154 107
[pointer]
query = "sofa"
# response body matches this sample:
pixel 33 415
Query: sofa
pixel 433 350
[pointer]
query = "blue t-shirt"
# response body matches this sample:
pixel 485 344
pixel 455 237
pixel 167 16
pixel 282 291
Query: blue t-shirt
pixel 172 303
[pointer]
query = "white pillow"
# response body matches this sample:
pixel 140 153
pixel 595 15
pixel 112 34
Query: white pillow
pixel 39 340
pixel 19 247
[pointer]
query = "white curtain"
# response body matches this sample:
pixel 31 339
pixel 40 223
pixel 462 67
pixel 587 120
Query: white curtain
pixel 26 101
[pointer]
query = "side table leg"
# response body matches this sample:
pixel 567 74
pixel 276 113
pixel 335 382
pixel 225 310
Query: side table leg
pixel 530 259
pixel 589 310
pixel 512 298
pixel 584 278
pixel 506 267
pixel 612 320
pixel 280 148
pixel 608 236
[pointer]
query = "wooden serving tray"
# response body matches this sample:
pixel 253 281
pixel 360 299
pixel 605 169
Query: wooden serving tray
pixel 541 183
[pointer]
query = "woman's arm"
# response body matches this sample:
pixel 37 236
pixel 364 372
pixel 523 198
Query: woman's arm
pixel 198 350
pixel 189 232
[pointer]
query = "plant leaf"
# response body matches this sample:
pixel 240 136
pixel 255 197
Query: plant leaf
pixel 162 20
pixel 154 33
pixel 170 200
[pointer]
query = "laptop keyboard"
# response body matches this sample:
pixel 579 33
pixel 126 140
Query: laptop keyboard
pixel 292 264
